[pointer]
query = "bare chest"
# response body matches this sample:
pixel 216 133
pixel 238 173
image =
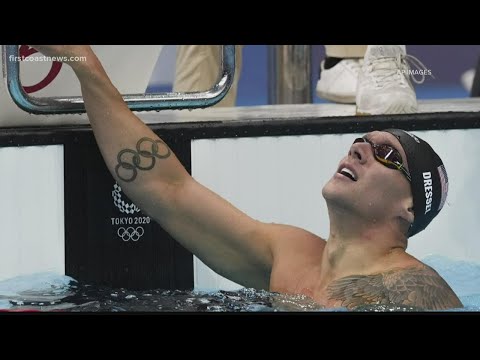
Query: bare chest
pixel 383 288
pixel 300 280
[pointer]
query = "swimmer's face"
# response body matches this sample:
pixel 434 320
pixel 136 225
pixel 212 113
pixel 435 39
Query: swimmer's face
pixel 363 185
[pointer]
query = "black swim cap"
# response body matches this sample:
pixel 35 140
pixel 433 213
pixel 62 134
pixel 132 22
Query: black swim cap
pixel 429 179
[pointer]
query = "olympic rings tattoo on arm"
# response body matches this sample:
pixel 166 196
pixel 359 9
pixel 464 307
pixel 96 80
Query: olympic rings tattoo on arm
pixel 131 164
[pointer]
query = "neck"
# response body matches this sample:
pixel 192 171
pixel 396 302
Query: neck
pixel 358 245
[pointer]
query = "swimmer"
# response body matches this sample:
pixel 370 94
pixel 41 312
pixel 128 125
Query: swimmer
pixel 390 185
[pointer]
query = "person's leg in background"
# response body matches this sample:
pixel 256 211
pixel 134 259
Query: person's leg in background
pixel 346 51
pixel 197 68
pixel 375 77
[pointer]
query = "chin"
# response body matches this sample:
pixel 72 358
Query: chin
pixel 333 192
pixel 339 196
pixel 326 190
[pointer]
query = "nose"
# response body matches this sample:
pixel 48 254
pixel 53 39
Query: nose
pixel 360 152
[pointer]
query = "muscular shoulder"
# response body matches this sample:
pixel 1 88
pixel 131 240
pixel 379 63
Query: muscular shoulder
pixel 420 287
pixel 287 238
pixel 293 248
pixel 295 253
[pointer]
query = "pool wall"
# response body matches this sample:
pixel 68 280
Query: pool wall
pixel 270 175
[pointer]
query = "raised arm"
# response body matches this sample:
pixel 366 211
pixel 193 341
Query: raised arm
pixel 227 240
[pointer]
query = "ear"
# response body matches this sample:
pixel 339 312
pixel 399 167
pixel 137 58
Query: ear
pixel 406 210
pixel 405 216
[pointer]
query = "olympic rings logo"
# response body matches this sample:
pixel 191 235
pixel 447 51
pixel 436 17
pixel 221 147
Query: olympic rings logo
pixel 135 158
pixel 130 233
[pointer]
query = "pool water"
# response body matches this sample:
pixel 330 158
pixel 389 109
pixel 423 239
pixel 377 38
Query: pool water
pixel 58 293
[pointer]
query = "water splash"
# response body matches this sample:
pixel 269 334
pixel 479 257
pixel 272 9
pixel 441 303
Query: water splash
pixel 53 292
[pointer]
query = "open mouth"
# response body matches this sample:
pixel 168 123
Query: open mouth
pixel 348 173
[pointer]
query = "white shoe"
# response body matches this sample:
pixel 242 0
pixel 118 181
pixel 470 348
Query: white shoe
pixel 467 79
pixel 339 83
pixel 384 86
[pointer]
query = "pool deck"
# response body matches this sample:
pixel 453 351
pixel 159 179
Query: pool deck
pixel 268 120
pixel 304 111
